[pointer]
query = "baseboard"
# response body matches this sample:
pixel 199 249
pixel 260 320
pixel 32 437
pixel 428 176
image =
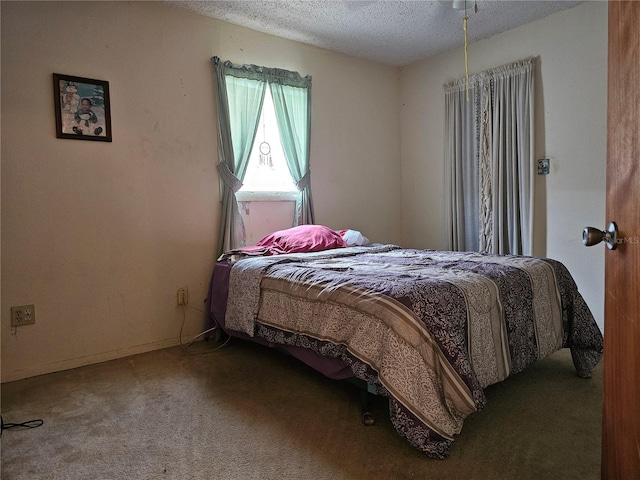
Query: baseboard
pixel 71 363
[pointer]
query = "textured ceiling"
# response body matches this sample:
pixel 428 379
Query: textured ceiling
pixel 394 32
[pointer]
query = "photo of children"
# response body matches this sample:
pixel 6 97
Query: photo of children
pixel 83 112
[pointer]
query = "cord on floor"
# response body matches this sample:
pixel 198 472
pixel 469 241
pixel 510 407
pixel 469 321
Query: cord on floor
pixel 187 345
pixel 35 423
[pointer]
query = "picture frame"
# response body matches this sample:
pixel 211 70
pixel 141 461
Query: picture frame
pixel 82 108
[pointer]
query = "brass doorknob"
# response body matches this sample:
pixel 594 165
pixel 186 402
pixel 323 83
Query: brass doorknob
pixel 593 236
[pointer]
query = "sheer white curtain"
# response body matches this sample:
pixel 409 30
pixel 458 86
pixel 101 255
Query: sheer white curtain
pixel 489 160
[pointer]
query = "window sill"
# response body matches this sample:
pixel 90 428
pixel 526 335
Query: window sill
pixel 266 196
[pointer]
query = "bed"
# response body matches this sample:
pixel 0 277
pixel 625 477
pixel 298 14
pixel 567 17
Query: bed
pixel 428 329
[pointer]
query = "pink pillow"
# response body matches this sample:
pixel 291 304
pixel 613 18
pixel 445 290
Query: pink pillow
pixel 303 238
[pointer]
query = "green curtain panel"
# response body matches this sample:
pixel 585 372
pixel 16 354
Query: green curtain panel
pixel 292 104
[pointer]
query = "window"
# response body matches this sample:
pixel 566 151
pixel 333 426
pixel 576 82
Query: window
pixel 267 176
pixel 239 100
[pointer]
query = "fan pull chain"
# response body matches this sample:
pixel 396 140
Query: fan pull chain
pixel 466 55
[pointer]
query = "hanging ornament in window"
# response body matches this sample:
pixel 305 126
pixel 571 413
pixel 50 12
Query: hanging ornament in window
pixel 265 154
pixel 265 148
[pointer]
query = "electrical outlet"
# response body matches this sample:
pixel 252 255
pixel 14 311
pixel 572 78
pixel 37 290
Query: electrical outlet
pixel 183 296
pixel 23 315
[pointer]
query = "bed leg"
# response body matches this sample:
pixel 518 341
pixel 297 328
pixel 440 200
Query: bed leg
pixel 216 335
pixel 368 418
pixel 366 391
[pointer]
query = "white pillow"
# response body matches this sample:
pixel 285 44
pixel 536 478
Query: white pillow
pixel 354 238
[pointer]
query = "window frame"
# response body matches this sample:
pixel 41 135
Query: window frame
pixel 266 196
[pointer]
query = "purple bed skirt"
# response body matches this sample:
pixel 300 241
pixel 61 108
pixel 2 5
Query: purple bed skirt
pixel 217 307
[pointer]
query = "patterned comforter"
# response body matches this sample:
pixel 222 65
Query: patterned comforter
pixel 430 329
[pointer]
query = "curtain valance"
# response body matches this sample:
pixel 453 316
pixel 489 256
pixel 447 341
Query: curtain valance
pixel 503 71
pixel 264 74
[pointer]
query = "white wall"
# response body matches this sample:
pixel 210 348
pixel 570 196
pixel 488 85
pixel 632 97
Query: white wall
pixel 571 91
pixel 99 236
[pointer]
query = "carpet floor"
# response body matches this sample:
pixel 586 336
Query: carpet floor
pixel 249 412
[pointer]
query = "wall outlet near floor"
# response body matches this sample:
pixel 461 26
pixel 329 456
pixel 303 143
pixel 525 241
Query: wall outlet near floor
pixel 183 296
pixel 23 315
